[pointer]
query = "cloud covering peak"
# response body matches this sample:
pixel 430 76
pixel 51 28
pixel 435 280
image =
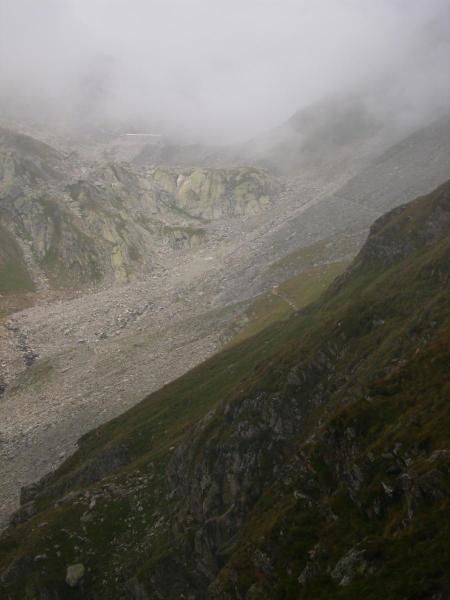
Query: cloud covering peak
pixel 219 70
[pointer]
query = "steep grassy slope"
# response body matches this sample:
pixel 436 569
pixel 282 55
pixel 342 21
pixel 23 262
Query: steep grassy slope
pixel 296 280
pixel 309 461
pixel 284 299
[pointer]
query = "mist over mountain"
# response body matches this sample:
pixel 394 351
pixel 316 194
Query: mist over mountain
pixel 217 72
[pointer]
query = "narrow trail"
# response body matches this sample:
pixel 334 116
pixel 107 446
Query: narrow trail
pixel 276 292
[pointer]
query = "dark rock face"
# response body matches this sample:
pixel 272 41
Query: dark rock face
pixel 219 490
pixel 50 485
pixel 25 512
pixel 388 242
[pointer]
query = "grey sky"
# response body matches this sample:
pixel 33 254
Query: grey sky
pixel 219 69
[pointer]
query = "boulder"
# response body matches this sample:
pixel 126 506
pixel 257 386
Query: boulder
pixel 74 575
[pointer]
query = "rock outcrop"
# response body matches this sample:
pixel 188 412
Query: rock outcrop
pixel 73 226
pixel 75 574
pixel 217 193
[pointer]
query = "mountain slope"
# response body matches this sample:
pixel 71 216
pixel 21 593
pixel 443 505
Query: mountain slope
pixel 414 165
pixel 309 461
pixel 329 137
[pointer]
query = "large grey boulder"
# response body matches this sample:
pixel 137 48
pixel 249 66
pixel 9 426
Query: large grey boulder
pixel 75 574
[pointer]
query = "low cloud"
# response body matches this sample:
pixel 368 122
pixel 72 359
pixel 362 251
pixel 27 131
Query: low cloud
pixel 218 71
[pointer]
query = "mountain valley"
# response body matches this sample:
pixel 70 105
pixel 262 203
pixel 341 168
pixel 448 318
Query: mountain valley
pixel 144 272
pixel 224 300
pixel 301 461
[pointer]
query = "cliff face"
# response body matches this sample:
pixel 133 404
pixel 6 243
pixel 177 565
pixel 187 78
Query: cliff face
pixel 217 193
pixel 74 228
pixel 309 461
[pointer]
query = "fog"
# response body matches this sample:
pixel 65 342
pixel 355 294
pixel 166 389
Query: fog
pixel 218 70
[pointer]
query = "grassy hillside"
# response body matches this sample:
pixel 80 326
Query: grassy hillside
pixel 284 299
pixel 310 461
pixel 297 279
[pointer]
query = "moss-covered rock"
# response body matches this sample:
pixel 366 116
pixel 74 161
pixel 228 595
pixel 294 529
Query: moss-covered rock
pixel 218 193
